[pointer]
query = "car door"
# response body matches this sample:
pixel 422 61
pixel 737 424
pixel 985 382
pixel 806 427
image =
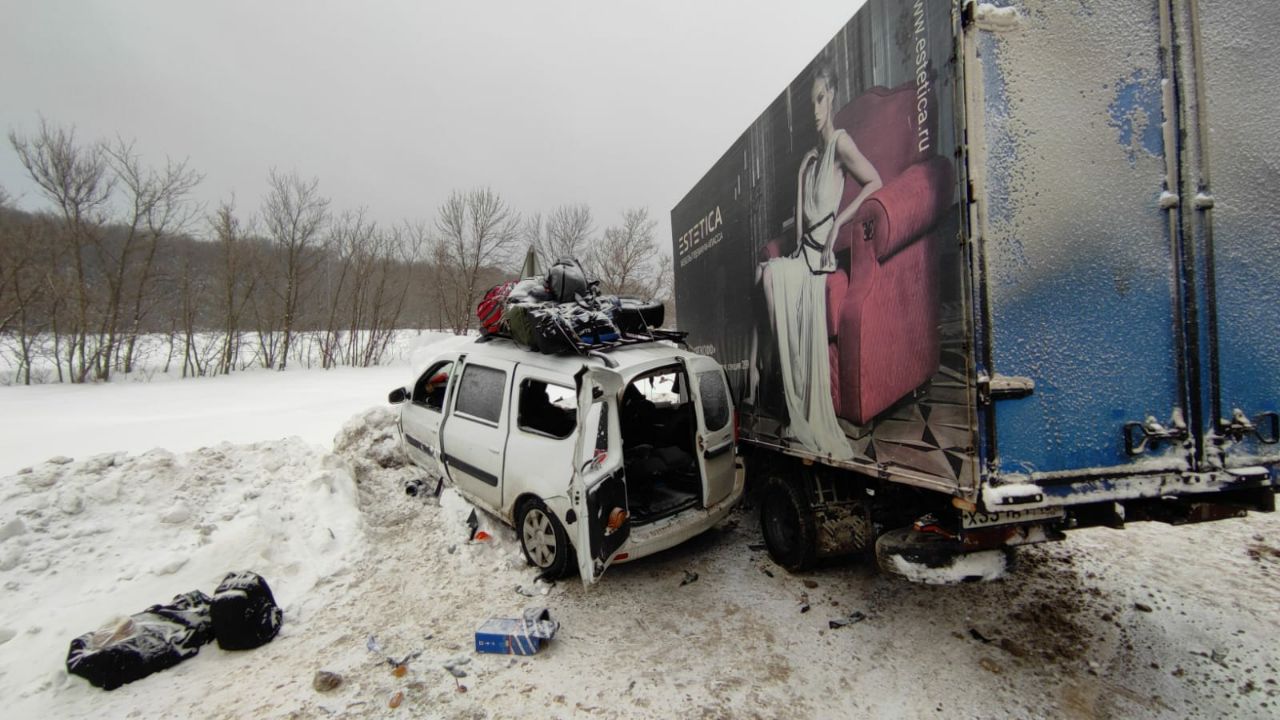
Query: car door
pixel 474 436
pixel 422 416
pixel 715 439
pixel 598 488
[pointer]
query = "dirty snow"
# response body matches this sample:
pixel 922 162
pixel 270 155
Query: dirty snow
pixel 986 565
pixel 1152 621
pixel 996 19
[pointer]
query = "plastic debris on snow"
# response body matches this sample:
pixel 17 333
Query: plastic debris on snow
pixel 375 647
pixel 854 617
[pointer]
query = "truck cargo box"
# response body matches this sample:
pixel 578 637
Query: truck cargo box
pixel 1052 276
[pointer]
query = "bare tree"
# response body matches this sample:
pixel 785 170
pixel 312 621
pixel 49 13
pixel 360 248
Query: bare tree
pixel 351 252
pixel 159 207
pixel 76 179
pixel 533 234
pixel 627 260
pixel 569 232
pixel 475 232
pixel 25 244
pixel 295 215
pixel 379 293
pixel 236 279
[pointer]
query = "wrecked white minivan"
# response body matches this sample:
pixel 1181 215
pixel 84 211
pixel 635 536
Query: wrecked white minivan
pixel 603 458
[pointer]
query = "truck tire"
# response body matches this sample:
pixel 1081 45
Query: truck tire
pixel 543 539
pixel 934 559
pixel 787 524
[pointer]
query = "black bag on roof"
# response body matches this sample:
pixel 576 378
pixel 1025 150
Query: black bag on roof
pixel 634 315
pixel 245 614
pixel 156 638
pixel 567 280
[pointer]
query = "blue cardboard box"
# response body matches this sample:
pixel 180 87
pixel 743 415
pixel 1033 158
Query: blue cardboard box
pixel 516 636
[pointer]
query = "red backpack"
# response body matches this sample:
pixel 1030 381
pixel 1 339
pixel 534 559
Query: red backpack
pixel 490 309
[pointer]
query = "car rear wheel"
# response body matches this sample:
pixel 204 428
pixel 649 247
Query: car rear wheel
pixel 543 539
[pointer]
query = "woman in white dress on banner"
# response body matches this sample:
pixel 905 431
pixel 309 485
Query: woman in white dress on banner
pixel 795 286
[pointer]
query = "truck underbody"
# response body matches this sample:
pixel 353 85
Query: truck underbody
pixel 812 512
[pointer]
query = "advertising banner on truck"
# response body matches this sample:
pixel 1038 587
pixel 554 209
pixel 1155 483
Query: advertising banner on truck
pixel 819 260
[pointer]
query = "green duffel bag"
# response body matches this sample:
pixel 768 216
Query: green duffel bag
pixel 522 324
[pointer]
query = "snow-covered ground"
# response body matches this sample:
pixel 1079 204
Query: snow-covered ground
pixel 42 421
pixel 1152 621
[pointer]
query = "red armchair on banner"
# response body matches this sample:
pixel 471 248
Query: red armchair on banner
pixel 882 301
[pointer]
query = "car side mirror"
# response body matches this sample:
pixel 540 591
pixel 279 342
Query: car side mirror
pixel 398 396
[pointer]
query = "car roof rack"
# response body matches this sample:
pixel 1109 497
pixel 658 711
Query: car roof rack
pixel 600 349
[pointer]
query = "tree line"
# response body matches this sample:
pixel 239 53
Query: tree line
pixel 122 251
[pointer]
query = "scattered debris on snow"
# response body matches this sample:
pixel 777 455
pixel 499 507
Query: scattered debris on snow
pixel 326 681
pixel 350 554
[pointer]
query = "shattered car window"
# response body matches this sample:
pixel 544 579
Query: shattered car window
pixel 715 399
pixel 547 409
pixel 480 393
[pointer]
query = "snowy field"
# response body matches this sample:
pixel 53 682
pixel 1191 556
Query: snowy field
pixel 120 496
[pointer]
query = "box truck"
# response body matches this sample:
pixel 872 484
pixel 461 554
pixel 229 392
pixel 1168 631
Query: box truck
pixel 985 273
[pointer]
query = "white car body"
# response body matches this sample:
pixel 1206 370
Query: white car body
pixel 504 426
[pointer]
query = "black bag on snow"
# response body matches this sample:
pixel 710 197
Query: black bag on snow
pixel 157 638
pixel 245 614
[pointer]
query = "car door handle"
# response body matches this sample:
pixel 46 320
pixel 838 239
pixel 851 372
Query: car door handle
pixel 718 450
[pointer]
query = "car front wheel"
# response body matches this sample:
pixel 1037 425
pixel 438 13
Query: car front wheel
pixel 543 539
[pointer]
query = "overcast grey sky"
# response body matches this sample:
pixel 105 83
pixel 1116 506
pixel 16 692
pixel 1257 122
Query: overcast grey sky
pixel 393 104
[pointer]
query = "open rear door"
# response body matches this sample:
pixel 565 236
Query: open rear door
pixel 598 490
pixel 715 428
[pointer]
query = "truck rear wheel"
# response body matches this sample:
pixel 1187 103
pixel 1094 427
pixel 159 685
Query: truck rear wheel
pixel 787 523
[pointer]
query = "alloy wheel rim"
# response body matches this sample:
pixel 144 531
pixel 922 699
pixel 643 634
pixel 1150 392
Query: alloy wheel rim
pixel 539 538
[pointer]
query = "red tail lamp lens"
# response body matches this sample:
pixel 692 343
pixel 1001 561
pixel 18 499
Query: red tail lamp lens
pixel 617 517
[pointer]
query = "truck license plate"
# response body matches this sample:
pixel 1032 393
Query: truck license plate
pixel 976 519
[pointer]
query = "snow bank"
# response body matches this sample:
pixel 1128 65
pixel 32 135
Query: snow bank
pixel 84 543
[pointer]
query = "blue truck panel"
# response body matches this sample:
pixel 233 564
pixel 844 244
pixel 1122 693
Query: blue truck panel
pixel 1240 173
pixel 1081 274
